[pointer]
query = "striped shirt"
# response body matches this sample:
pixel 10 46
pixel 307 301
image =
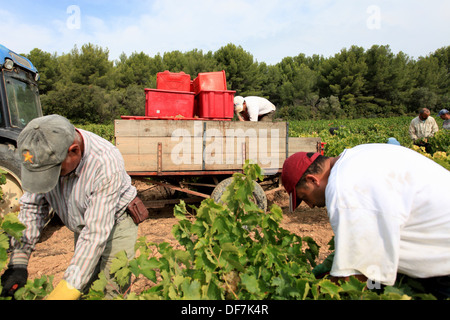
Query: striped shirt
pixel 89 201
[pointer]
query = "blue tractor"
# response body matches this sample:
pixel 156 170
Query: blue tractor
pixel 19 104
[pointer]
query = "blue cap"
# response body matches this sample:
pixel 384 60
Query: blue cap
pixel 442 112
pixel 393 141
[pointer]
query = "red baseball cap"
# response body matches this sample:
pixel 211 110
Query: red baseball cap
pixel 293 169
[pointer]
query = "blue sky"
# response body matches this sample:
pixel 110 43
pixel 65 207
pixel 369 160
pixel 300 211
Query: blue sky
pixel 268 29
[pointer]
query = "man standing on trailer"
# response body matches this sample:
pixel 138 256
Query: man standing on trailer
pixel 254 109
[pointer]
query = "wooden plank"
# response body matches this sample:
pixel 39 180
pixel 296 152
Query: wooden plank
pixel 212 159
pixel 301 144
pixel 230 144
pixel 246 125
pixel 254 148
pixel 181 144
pixel 217 158
pixel 149 163
pixel 149 145
pixel 157 128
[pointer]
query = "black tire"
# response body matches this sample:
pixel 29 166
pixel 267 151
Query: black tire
pixel 12 191
pixel 258 193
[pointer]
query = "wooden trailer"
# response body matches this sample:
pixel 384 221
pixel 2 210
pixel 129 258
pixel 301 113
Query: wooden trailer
pixel 197 156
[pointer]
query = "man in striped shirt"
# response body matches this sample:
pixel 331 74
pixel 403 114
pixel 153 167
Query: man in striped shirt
pixel 82 178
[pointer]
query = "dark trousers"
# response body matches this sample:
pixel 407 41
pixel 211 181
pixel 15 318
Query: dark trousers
pixel 437 286
pixel 426 145
pixel 268 117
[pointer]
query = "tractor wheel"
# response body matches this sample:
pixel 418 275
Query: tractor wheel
pixel 12 190
pixel 258 193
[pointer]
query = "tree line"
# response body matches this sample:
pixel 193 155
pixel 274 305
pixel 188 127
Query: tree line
pixel 86 86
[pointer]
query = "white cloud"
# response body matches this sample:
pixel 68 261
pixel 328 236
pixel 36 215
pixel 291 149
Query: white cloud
pixel 22 37
pixel 268 29
pixel 181 25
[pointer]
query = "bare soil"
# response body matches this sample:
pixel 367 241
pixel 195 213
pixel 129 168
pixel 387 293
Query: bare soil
pixel 54 251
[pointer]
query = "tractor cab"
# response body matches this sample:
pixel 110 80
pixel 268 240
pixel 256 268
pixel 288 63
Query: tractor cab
pixel 19 104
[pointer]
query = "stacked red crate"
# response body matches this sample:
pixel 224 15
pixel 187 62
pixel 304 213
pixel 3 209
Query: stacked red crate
pixel 172 97
pixel 177 96
pixel 166 104
pixel 215 104
pixel 172 81
pixel 213 99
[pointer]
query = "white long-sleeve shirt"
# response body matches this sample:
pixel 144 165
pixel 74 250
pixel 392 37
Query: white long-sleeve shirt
pixel 258 106
pixel 386 208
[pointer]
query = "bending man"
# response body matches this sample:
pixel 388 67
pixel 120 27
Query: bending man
pixel 82 177
pixel 385 207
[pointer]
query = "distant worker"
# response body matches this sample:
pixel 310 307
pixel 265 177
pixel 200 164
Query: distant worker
pixel 254 109
pixel 333 130
pixel 423 127
pixel 82 177
pixel 445 115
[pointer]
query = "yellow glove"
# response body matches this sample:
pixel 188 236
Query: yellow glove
pixel 64 291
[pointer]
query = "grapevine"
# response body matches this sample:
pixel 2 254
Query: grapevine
pixel 377 130
pixel 234 250
pixel 11 227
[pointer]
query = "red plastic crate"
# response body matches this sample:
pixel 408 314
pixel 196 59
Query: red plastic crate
pixel 215 104
pixel 167 104
pixel 209 81
pixel 173 81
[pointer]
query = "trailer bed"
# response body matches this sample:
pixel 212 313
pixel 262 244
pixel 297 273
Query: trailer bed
pixel 202 147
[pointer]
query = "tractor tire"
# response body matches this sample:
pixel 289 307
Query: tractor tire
pixel 259 195
pixel 12 190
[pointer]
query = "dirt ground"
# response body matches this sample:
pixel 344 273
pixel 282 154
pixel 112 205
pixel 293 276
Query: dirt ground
pixel 53 253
